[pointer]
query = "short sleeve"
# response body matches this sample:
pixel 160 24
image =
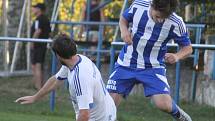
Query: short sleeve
pixel 62 73
pixel 181 35
pixel 129 13
pixel 83 89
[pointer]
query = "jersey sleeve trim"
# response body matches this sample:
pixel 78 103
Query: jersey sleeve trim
pixel 61 78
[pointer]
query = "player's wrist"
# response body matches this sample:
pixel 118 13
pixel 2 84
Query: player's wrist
pixel 36 97
pixel 177 57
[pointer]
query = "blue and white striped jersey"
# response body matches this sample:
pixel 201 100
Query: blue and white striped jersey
pixel 150 38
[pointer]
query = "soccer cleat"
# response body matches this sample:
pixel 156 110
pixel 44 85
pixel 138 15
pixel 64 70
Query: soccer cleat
pixel 183 116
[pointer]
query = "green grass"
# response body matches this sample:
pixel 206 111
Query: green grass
pixel 31 117
pixel 135 108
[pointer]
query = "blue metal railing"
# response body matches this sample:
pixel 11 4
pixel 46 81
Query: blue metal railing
pixel 54 70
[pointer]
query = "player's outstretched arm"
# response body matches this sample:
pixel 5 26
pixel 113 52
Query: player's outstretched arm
pixel 26 100
pixel 50 85
pixel 184 52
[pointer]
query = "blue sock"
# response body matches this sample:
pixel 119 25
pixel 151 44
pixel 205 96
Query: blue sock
pixel 175 112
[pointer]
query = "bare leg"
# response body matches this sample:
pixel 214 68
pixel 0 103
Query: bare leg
pixel 37 75
pixel 165 103
pixel 117 98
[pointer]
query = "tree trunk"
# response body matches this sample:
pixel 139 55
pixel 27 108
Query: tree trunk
pixel 188 12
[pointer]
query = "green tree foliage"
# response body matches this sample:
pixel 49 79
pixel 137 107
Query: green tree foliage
pixel 1 6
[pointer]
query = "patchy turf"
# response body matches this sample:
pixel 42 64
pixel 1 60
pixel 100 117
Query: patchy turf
pixel 135 108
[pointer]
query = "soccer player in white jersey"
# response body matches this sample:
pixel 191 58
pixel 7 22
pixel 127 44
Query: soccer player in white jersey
pixel 90 99
pixel 142 59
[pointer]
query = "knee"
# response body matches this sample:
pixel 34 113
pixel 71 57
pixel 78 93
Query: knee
pixel 164 106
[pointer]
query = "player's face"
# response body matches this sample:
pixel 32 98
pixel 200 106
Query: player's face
pixel 156 16
pixel 93 2
pixel 35 10
pixel 61 60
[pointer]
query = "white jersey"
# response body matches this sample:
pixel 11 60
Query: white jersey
pixel 87 90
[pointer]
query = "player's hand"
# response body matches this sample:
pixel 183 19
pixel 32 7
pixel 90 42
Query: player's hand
pixel 171 58
pixel 127 37
pixel 26 100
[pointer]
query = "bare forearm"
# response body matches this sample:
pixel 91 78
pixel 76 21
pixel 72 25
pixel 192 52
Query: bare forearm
pixel 184 52
pixel 123 24
pixel 83 115
pixel 50 85
pixel 36 33
pixel 125 34
pixel 82 119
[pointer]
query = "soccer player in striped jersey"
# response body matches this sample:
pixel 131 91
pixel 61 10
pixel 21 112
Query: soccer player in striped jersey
pixel 90 99
pixel 142 59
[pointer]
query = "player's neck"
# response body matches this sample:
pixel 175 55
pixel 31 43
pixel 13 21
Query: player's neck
pixel 73 61
pixel 39 14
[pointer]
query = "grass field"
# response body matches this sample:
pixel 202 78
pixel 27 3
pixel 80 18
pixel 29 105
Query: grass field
pixel 135 108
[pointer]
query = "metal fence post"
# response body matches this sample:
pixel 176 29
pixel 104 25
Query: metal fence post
pixel 99 47
pixel 177 82
pixel 195 63
pixel 213 76
pixel 52 95
pixel 112 58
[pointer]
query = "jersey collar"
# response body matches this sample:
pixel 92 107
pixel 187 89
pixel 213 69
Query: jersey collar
pixel 79 61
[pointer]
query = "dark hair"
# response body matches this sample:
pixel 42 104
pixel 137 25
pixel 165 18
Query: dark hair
pixel 64 46
pixel 41 6
pixel 165 7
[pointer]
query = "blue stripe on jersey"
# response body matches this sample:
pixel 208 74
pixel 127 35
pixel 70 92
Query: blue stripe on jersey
pixel 128 15
pixel 79 61
pixel 140 2
pixel 181 40
pixel 91 105
pixel 122 52
pixel 179 25
pixel 170 35
pixel 163 48
pixel 77 82
pixel 150 43
pixel 179 22
pixel 136 38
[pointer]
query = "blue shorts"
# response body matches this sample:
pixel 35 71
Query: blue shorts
pixel 123 79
